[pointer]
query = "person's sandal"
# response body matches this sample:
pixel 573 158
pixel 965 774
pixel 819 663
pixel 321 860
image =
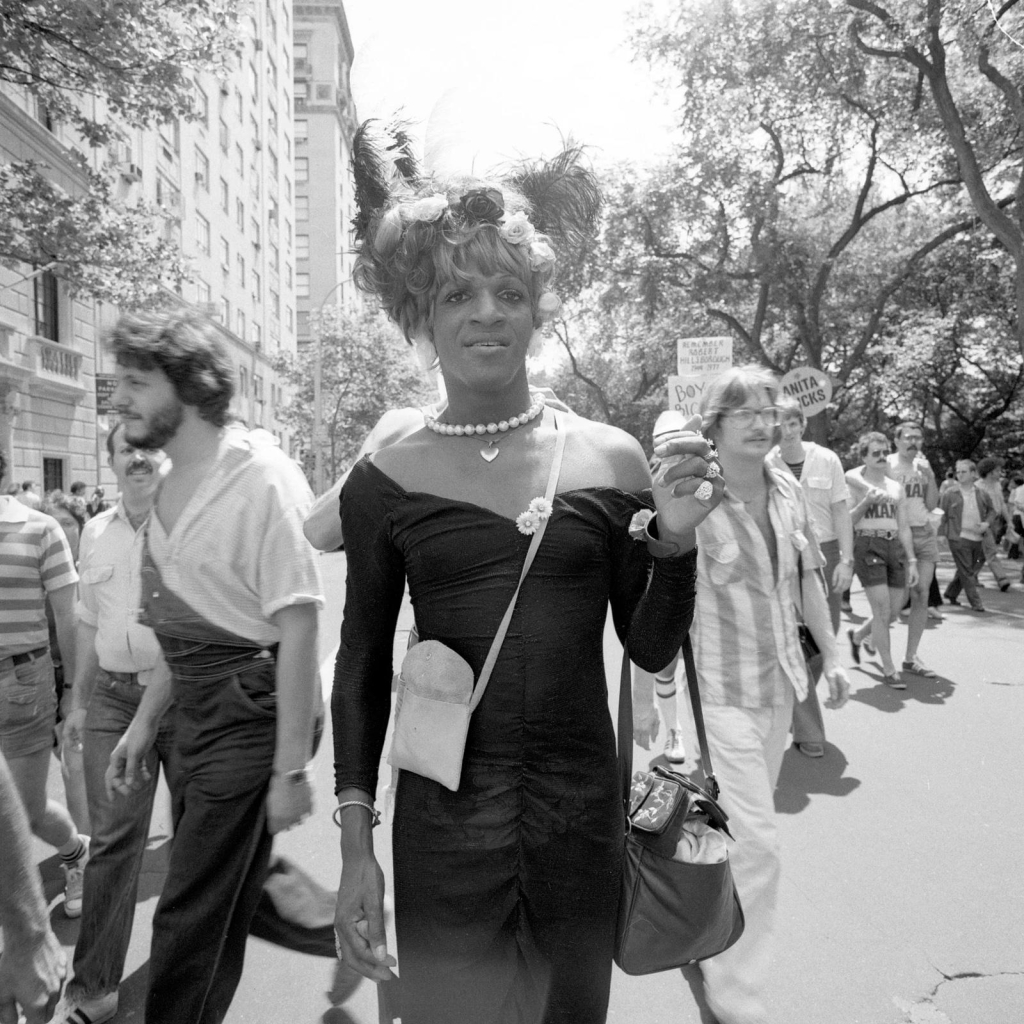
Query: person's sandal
pixel 894 682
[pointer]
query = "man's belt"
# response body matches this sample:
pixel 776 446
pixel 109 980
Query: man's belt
pixel 884 534
pixel 122 677
pixel 23 659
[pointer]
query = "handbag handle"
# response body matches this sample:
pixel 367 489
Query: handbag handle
pixel 499 637
pixel 625 738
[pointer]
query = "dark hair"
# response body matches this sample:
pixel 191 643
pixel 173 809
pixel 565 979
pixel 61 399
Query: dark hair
pixel 733 388
pixel 186 345
pixel 987 464
pixel 790 408
pixel 406 261
pixel 3 465
pixel 1018 479
pixel 78 487
pixel 865 441
pixel 27 485
pixel 110 437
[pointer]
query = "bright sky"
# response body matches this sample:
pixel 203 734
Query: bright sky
pixel 493 80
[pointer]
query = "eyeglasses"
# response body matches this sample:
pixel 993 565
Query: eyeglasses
pixel 878 454
pixel 769 416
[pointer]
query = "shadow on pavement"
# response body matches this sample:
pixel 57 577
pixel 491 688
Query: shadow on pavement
pixel 920 689
pixel 803 777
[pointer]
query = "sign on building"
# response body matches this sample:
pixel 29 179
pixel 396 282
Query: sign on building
pixel 105 384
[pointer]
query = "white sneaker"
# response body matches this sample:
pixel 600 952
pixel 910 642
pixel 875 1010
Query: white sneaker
pixel 675 752
pixel 74 878
pixel 78 1010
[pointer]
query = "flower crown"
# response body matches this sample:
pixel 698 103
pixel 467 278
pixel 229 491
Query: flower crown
pixel 486 206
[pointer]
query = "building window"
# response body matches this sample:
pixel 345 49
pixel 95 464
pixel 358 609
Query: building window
pixel 272 72
pixel 47 306
pixel 203 291
pixel 224 135
pixel 273 163
pixel 243 382
pixel 257 340
pixel 240 324
pixel 302 247
pixel 287 190
pixel 202 106
pixel 287 148
pixel 203 234
pixel 225 312
pixel 239 160
pixel 288 275
pixel 225 256
pixel 239 105
pixel 302 286
pixel 240 214
pixel 275 304
pixel 301 94
pixel 257 286
pixel 254 82
pixel 225 202
pixel 288 233
pixel 202 170
pixel 53 475
pixel 289 318
pixel 301 130
pixel 302 207
pixel 271 23
pixel 170 133
pixel 275 256
pixel 300 51
pixel 241 269
pixel 255 232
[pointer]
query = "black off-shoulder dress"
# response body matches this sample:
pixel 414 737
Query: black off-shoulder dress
pixel 506 891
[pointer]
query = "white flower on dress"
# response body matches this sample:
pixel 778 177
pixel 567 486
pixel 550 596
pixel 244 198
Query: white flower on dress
pixel 517 229
pixel 427 209
pixel 538 511
pixel 638 524
pixel 542 256
pixel 541 506
pixel 548 305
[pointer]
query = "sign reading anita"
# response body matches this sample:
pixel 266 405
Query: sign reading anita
pixel 811 388
pixel 700 361
pixel 105 384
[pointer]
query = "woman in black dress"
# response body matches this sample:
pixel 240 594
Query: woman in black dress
pixel 506 890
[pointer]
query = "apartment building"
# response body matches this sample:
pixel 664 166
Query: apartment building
pixel 325 122
pixel 225 187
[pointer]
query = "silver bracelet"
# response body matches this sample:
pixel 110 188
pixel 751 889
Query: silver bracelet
pixel 374 813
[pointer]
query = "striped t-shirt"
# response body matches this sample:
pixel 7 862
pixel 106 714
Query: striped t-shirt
pixel 34 560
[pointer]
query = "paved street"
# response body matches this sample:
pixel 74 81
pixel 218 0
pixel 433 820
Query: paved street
pixel 903 888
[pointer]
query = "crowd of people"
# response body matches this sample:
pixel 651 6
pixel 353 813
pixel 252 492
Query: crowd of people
pixel 185 617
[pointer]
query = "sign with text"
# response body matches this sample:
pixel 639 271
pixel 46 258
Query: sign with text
pixel 811 388
pixel 105 384
pixel 699 357
pixel 684 393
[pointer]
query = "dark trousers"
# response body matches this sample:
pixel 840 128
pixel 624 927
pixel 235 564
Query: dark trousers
pixel 969 557
pixel 120 829
pixel 225 745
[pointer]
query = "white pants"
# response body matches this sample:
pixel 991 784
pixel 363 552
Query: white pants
pixel 746 746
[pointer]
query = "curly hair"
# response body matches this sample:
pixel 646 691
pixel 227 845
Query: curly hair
pixel 186 345
pixel 71 504
pixel 865 441
pixel 405 261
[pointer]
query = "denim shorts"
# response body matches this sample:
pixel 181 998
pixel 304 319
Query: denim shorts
pixel 28 707
pixel 879 561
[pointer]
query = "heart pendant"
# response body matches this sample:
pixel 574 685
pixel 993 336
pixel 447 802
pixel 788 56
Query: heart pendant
pixel 489 454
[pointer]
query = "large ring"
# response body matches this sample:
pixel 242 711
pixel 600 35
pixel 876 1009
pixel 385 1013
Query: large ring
pixel 704 491
pixel 712 453
pixel 712 471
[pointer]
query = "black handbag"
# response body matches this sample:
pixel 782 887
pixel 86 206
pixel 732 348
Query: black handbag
pixel 671 912
pixel 808 645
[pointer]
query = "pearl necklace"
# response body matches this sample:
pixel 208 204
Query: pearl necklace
pixel 490 451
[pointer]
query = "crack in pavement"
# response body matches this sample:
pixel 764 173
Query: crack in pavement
pixel 924 1011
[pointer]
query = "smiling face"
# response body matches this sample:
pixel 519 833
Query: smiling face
pixel 876 455
pixel 482 327
pixel 137 469
pixel 148 405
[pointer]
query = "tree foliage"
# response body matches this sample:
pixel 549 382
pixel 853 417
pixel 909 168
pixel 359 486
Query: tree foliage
pixel 367 369
pixel 101 67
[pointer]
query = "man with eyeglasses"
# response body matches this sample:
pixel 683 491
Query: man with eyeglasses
pixel 883 549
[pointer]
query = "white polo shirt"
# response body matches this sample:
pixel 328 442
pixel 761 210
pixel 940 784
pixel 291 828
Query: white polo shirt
pixel 823 482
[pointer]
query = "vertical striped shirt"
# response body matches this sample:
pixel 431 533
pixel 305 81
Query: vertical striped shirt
pixel 34 560
pixel 745 622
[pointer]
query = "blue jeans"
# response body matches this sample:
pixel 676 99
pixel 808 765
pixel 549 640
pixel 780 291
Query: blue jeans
pixel 120 828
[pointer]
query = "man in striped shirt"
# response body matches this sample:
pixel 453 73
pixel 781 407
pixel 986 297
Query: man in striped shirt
pixel 750 665
pixel 36 566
